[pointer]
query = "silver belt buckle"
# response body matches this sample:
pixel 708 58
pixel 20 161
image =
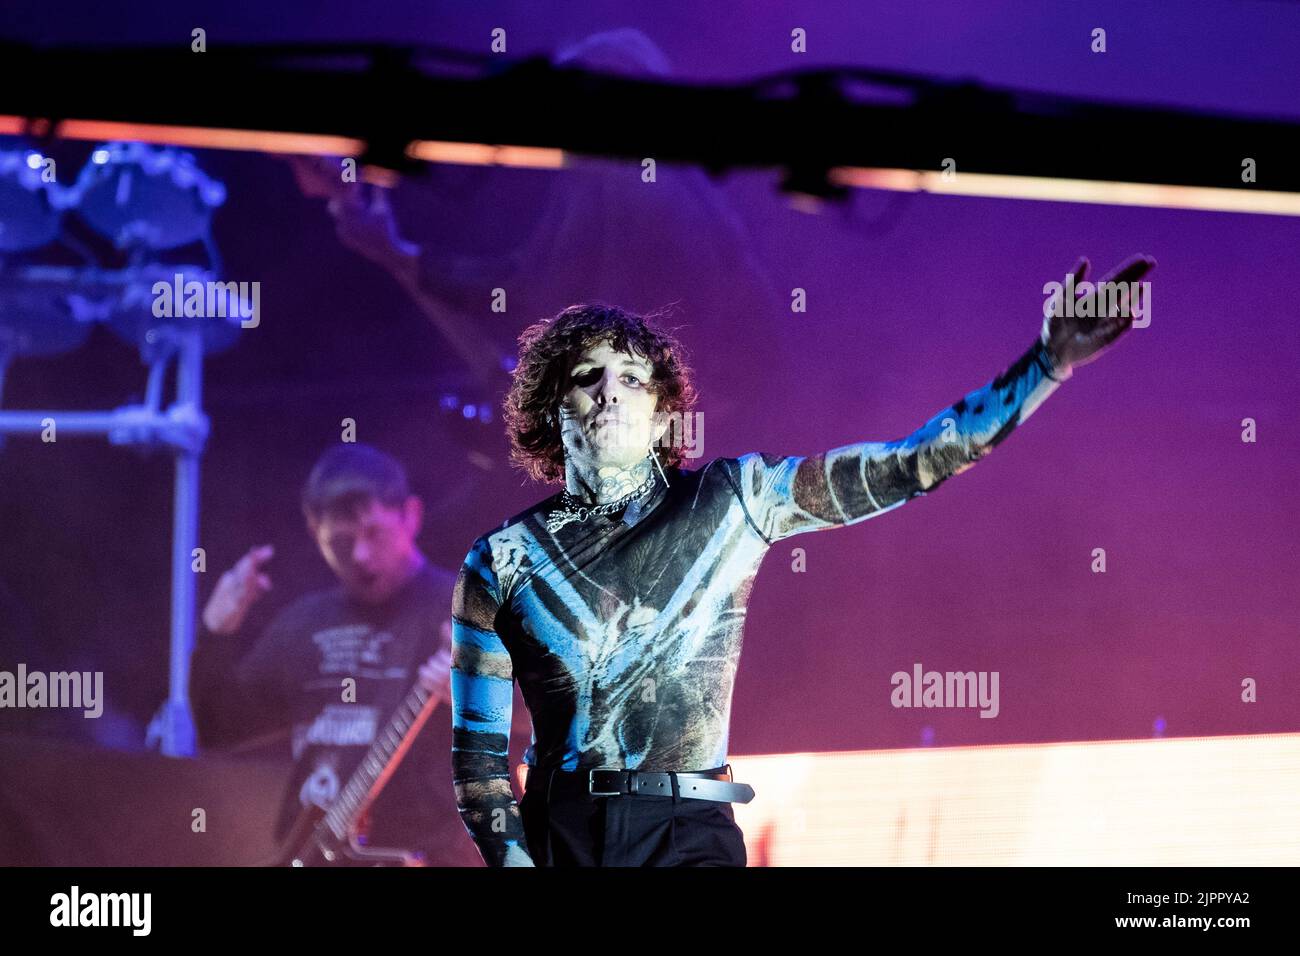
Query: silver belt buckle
pixel 591 783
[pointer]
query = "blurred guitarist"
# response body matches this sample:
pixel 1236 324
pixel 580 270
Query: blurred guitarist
pixel 337 664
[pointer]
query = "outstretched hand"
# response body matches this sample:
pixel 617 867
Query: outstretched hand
pixel 237 591
pixel 1077 334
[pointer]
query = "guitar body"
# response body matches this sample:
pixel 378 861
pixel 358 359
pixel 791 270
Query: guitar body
pixel 311 843
pixel 332 837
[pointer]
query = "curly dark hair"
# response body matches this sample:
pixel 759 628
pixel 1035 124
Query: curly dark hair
pixel 549 349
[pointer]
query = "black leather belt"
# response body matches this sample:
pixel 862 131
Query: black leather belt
pixel 693 785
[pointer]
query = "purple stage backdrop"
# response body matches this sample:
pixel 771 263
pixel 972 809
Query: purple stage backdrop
pixel 912 302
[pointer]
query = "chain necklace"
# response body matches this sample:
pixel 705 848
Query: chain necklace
pixel 573 509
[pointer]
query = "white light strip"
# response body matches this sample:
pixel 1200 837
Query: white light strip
pixel 196 137
pixel 482 154
pixel 1103 192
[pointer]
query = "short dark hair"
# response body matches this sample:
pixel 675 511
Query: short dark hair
pixel 548 351
pixel 349 476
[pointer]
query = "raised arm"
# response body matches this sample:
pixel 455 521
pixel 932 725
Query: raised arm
pixel 366 224
pixel 792 494
pixel 482 686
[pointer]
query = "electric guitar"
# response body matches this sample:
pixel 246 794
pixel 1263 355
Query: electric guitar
pixel 333 837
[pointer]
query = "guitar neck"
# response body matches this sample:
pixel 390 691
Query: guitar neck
pixel 380 761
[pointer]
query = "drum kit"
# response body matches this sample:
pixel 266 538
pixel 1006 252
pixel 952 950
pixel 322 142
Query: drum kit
pixel 146 201
pixel 145 205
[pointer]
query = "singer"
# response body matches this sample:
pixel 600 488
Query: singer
pixel 618 603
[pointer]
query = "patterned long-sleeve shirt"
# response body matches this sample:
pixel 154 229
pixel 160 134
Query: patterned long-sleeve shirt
pixel 625 637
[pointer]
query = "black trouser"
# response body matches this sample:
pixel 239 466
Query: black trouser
pixel 566 825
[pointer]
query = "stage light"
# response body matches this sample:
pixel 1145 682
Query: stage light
pixel 1167 802
pixel 197 137
pixel 1046 189
pixel 1041 188
pixel 486 154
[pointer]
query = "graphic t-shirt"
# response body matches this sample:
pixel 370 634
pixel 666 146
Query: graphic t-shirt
pixel 625 635
pixel 295 674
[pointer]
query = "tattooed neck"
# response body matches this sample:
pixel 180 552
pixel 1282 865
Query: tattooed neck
pixel 606 483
